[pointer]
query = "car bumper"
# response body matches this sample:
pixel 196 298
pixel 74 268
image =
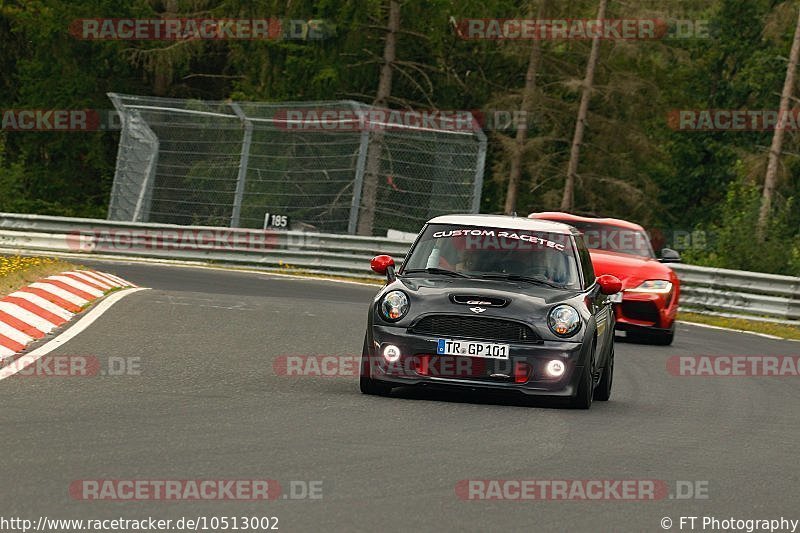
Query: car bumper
pixel 641 311
pixel 523 371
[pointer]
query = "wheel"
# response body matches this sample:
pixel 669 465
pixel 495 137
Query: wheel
pixel 365 382
pixel 664 338
pixel 659 338
pixel 603 390
pixel 375 388
pixel 583 400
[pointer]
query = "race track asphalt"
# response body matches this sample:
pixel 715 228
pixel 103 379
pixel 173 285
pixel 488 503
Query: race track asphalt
pixel 207 404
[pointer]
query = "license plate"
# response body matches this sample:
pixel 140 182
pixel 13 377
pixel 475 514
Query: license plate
pixel 615 298
pixel 488 350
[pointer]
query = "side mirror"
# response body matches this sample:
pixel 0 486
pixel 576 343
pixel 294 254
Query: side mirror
pixel 609 284
pixel 383 264
pixel 668 255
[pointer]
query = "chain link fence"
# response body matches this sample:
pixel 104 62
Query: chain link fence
pixel 334 167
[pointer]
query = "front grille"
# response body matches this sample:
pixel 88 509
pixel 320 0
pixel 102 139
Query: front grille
pixel 473 327
pixel 644 311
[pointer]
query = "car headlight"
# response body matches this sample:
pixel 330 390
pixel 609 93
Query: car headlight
pixel 564 320
pixel 394 305
pixel 653 286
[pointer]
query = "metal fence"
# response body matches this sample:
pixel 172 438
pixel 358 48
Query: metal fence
pixel 193 162
pixel 751 295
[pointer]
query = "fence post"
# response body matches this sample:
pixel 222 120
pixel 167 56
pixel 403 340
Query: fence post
pixel 479 164
pixel 134 129
pixel 147 184
pixel 116 186
pixel 238 196
pixel 358 183
pixel 793 307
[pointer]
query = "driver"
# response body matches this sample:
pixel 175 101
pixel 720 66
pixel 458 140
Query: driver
pixel 471 260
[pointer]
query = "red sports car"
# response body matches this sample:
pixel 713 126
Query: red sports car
pixel 647 306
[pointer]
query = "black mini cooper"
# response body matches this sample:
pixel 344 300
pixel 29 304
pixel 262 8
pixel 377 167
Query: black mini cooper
pixel 493 303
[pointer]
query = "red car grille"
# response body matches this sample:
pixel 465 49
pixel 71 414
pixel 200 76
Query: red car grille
pixel 644 311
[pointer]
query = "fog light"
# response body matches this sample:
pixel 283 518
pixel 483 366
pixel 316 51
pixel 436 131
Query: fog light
pixel 391 353
pixel 555 368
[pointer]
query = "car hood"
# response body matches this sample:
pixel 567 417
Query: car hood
pixel 433 286
pixel 630 269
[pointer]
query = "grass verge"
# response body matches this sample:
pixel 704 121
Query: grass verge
pixel 779 330
pixel 18 271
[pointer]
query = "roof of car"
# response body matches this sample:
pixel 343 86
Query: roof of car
pixel 504 221
pixel 569 217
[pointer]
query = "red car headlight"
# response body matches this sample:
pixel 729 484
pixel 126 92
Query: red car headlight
pixel 653 286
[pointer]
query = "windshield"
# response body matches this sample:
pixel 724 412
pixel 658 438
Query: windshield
pixel 478 252
pixel 615 238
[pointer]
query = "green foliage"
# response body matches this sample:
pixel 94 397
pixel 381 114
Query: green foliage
pixel 633 165
pixel 734 245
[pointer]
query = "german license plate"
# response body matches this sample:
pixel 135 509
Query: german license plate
pixel 488 350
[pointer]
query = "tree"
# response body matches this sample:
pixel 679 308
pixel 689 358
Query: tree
pixel 370 187
pixel 522 125
pixel 568 200
pixel 771 177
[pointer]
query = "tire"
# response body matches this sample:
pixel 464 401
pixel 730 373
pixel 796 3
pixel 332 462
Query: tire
pixel 583 399
pixel 603 390
pixel 664 338
pixel 658 338
pixel 365 382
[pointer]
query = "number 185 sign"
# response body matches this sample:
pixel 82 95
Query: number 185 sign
pixel 272 221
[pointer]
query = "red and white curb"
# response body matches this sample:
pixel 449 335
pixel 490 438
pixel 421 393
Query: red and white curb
pixel 34 311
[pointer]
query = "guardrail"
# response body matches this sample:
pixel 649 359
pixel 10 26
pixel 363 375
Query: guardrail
pixel 738 293
pixel 705 290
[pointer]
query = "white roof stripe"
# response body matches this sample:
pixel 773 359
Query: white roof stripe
pixel 503 221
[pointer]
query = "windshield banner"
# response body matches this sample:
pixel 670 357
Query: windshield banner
pixel 496 239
